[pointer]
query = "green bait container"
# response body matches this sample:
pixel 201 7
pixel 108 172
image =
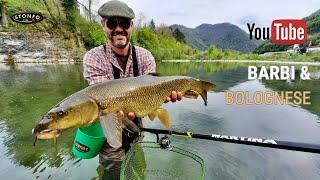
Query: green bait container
pixel 88 141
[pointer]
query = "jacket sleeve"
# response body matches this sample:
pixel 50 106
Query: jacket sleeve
pixel 149 65
pixel 92 70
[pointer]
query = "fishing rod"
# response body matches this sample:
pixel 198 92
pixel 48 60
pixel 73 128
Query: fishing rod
pixel 271 143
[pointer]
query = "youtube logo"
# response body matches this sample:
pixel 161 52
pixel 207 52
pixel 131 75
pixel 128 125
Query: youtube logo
pixel 289 31
pixel 283 31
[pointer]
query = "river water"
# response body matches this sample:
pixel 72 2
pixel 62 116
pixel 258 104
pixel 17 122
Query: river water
pixel 28 91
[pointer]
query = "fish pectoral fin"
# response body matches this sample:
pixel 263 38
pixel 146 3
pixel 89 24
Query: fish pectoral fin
pixel 164 117
pixel 112 128
pixel 191 94
pixel 152 115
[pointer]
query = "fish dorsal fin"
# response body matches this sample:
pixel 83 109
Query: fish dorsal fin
pixel 153 74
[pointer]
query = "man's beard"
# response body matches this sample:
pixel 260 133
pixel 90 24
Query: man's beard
pixel 119 43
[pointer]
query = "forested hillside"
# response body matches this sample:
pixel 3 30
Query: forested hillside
pixel 313 25
pixel 224 36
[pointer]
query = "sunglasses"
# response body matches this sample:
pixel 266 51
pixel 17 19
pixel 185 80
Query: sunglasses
pixel 123 23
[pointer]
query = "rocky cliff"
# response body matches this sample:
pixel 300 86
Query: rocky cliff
pixel 36 48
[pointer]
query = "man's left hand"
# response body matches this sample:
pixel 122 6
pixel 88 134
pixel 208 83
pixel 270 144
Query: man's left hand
pixel 174 97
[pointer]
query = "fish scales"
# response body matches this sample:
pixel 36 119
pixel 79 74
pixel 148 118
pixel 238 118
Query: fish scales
pixel 133 94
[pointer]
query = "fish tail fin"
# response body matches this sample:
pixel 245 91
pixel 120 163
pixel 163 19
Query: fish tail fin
pixel 191 94
pixel 205 86
pixel 204 97
pixel 199 88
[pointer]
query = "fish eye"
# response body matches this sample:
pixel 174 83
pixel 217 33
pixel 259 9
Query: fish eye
pixel 60 113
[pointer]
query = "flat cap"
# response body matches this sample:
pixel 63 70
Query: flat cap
pixel 115 8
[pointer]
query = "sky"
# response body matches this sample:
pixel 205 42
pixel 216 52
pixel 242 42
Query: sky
pixel 192 13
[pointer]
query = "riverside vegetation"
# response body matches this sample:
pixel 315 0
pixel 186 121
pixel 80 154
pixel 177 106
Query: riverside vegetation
pixel 74 32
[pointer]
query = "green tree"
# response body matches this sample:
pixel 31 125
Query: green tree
pixel 179 36
pixel 72 14
pixel 152 25
pixel 70 11
pixel 145 38
pixel 3 14
pixel 214 53
pixel 268 46
pixel 164 31
pixel 54 21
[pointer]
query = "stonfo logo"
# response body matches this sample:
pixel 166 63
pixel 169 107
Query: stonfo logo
pixel 283 31
pixel 27 18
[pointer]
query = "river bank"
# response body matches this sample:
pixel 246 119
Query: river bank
pixel 37 47
pixel 48 48
pixel 34 60
pixel 248 61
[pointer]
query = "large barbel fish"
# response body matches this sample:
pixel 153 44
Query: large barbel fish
pixel 142 95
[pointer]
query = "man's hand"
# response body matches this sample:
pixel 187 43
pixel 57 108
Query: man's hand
pixel 173 98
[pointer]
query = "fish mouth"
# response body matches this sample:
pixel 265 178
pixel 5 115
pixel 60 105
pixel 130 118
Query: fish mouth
pixel 48 134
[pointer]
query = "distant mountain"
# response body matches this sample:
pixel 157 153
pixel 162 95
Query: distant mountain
pixel 224 36
pixel 191 37
pixel 313 26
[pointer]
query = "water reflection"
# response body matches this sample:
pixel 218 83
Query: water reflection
pixel 27 92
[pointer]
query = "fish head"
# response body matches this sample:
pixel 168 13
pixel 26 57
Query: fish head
pixel 75 111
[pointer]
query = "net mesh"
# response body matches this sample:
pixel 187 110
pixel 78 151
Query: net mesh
pixel 147 160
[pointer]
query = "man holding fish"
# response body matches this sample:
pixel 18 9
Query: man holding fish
pixel 121 91
pixel 118 59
